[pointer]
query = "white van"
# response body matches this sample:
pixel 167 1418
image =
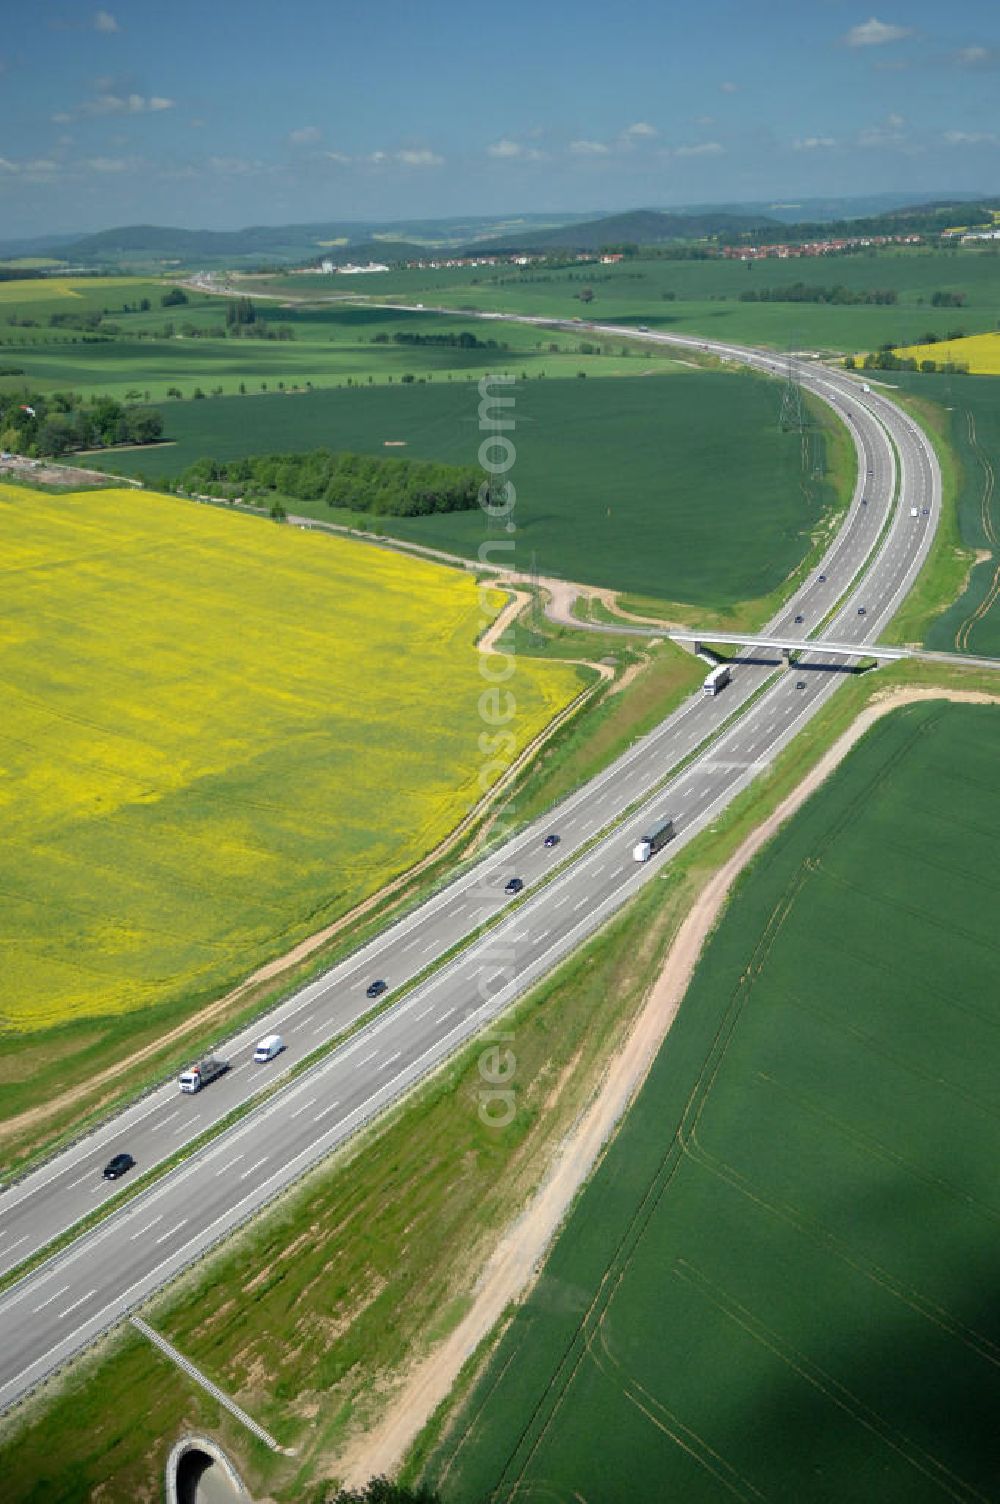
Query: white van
pixel 268 1047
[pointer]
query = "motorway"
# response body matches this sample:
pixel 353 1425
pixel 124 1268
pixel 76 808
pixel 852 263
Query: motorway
pixel 51 1314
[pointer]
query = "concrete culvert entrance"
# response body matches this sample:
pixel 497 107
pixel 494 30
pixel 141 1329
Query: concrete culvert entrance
pixel 199 1472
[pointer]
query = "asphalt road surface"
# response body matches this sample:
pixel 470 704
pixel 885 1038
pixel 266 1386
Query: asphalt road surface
pixel 51 1314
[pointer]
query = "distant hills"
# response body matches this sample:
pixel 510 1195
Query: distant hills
pixel 162 246
pixel 159 248
pixel 638 227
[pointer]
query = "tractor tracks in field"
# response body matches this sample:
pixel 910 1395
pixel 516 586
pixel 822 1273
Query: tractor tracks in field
pixel 989 532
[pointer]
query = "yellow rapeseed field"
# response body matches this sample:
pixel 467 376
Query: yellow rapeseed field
pixel 980 352
pixel 44 289
pixel 217 734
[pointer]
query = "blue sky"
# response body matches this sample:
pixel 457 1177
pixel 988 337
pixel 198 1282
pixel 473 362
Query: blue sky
pixel 217 114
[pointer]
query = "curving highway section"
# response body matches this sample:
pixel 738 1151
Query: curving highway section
pixel 570 891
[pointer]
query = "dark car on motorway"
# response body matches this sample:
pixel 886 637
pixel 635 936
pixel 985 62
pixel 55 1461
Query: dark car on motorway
pixel 800 684
pixel 550 841
pixel 117 1166
pixel 822 579
pixel 799 620
pixel 862 611
pixel 515 885
pixel 376 988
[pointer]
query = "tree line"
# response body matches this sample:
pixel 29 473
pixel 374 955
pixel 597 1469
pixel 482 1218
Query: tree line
pixel 358 482
pixel 804 292
pixel 463 341
pixel 36 424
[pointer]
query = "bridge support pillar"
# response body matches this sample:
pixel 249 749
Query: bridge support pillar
pixel 786 654
pixel 697 647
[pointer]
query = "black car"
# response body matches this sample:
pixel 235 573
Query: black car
pixel 550 841
pixel 799 620
pixel 515 885
pixel 118 1166
pixel 927 511
pixel 800 684
pixel 822 579
pixel 862 611
pixel 376 989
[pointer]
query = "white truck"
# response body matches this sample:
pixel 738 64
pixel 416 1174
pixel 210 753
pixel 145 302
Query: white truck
pixel 717 679
pixel 657 835
pixel 201 1074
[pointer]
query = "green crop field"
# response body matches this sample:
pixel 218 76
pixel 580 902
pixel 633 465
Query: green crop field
pixel 626 484
pixel 780 1283
pixel 706 295
pixel 218 735
pixel 971 407
pixel 151 352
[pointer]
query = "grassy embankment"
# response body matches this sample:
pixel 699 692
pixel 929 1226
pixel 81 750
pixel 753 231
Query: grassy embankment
pixel 791 1235
pixel 954 603
pixel 420 1199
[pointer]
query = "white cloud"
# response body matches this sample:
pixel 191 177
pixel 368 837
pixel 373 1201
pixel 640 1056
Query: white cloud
pixel 8 166
pixel 813 143
pixel 108 164
pixel 338 157
pixel 234 166
pixel 62 118
pixel 641 129
pixel 507 150
pixel 978 57
pixel 875 33
pixel 589 148
pixel 729 88
pixel 421 158
pixel 378 157
pixel 105 21
pixel 305 135
pixel 889 133
pixel 702 149
pixel 971 138
pixel 123 104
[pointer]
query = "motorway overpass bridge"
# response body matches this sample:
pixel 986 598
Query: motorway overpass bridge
pixel 882 652
pixel 789 645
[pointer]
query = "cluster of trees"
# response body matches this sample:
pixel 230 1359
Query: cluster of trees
pixel 948 300
pixel 259 329
pixel 463 341
pixel 240 312
pixel 886 359
pixel 359 482
pixel 175 298
pixel 804 292
pixel 34 424
pixel 20 273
